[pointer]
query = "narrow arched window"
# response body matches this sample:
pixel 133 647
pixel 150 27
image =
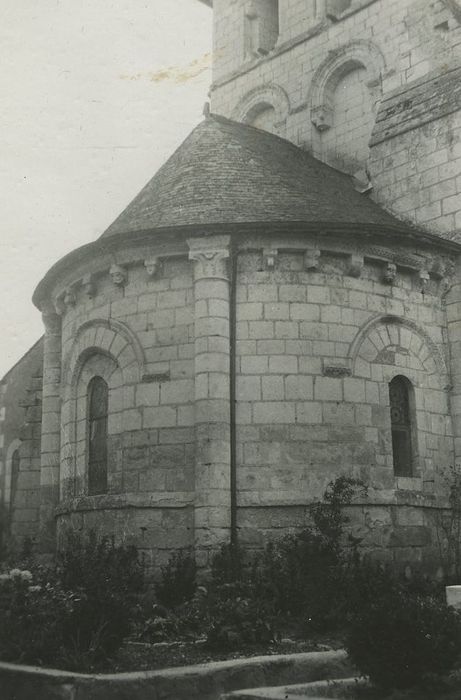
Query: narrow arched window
pixel 400 397
pixel 98 405
pixel 15 462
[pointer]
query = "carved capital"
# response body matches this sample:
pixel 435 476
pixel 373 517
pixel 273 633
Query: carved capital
pixel 312 259
pixel 153 267
pixel 119 275
pixel 210 257
pixel 270 257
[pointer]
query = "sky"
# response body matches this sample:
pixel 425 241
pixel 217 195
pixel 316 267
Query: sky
pixel 95 96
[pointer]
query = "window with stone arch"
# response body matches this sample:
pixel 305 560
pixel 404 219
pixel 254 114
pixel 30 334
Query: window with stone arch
pixel 403 425
pixel 263 117
pixel 344 97
pixel 261 29
pixel 97 435
pixel 15 466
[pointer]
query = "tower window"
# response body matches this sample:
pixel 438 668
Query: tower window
pixel 400 396
pixel 261 27
pixel 98 405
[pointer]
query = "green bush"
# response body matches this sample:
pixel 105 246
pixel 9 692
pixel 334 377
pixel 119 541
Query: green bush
pixel 178 580
pixel 33 618
pixel 106 580
pixel 399 637
pixel 238 617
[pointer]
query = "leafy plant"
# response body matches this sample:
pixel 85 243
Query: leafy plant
pixel 33 617
pixel 238 617
pixel 178 580
pixel 399 638
pixel 106 579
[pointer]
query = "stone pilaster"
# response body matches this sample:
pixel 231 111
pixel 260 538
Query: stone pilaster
pixel 51 429
pixel 212 394
pixel 453 310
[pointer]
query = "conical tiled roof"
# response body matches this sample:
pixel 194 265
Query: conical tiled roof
pixel 229 173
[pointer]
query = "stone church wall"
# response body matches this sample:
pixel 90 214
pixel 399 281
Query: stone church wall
pixel 316 350
pixel 139 337
pixel 20 429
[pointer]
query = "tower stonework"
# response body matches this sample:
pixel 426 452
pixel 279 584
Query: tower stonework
pixel 280 305
pixel 365 85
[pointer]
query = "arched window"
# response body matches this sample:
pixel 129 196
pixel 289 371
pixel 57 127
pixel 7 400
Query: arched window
pixel 98 405
pixel 261 27
pixel 262 117
pixel 15 462
pixel 401 399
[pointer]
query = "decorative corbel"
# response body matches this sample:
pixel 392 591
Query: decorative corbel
pixel 118 275
pixel 70 298
pixel 322 117
pixel 153 267
pixel 356 265
pixel 269 258
pixel 424 279
pixel 390 273
pixel 59 305
pixel 312 259
pixel 89 285
pixel 438 268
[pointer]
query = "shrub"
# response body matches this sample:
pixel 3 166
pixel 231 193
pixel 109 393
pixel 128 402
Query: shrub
pixel 178 580
pixel 106 579
pixel 304 575
pixel 238 617
pixel 400 637
pixel 33 617
pixel 228 565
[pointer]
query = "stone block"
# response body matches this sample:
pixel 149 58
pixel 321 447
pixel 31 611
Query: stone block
pixel 453 596
pixel 273 412
pixel 299 388
pixel 248 388
pixel 273 388
pixel 277 311
pixel 354 390
pixel 250 311
pixel 293 292
pixel 260 329
pixel 328 389
pixel 283 364
pixel 304 312
pixel 318 295
pixel 262 292
pixel 287 329
pixel 159 417
pixel 179 391
pixel 342 414
pixel 257 364
pixel 309 412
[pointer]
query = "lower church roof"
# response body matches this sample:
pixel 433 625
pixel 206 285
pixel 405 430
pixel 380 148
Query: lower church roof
pixel 226 172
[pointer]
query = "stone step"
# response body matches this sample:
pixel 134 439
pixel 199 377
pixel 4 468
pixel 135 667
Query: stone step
pixel 315 690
